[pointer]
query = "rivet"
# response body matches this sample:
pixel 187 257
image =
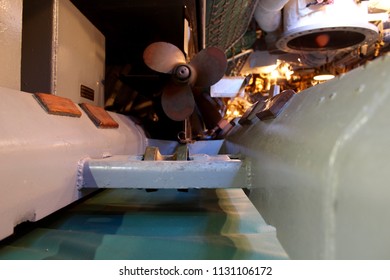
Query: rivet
pixel 332 95
pixel 361 88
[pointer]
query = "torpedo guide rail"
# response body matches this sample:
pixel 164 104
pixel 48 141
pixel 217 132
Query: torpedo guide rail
pixel 179 171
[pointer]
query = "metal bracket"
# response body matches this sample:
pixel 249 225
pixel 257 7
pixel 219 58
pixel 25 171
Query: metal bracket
pixel 155 171
pixel 275 105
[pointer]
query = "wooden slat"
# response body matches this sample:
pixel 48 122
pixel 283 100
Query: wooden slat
pixel 99 116
pixel 57 105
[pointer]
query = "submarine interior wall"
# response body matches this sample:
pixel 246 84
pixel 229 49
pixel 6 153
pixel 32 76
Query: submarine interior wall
pixel 10 43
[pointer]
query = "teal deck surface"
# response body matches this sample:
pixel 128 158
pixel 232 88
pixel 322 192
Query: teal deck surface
pixel 125 224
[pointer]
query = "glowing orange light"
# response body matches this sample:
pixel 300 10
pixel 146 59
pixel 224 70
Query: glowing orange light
pixel 322 40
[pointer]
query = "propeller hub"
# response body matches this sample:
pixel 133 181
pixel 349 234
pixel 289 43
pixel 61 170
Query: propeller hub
pixel 182 73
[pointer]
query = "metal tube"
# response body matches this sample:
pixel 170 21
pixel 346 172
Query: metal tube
pixel 268 14
pixel 39 154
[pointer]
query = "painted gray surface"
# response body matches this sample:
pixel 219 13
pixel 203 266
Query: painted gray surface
pixel 202 171
pixel 320 169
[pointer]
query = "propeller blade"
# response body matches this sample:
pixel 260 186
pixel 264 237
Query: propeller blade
pixel 177 101
pixel 208 108
pixel 209 65
pixel 163 57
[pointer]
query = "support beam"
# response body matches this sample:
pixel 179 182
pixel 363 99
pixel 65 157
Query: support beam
pixel 202 171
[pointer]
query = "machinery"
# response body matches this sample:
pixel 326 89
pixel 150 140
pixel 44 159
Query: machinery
pixel 288 167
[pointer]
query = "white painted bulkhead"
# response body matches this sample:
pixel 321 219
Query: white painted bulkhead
pixel 62 51
pixel 10 43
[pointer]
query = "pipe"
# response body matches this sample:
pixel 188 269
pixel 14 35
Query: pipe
pixel 386 32
pixel 326 27
pixel 268 14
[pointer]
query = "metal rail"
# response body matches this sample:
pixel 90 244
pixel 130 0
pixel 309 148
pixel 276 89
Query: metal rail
pixel 155 171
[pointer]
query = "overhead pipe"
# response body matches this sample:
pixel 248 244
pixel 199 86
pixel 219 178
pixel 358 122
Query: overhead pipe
pixel 386 32
pixel 325 27
pixel 268 14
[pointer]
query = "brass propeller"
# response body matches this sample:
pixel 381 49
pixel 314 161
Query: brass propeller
pixel 205 69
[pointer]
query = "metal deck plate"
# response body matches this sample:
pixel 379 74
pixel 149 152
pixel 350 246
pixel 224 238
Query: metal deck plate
pixel 137 225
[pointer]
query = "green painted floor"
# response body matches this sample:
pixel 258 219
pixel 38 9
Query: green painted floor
pixel 135 224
